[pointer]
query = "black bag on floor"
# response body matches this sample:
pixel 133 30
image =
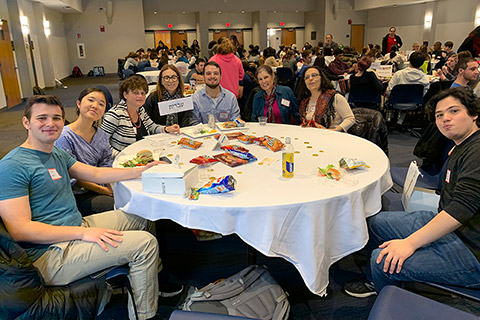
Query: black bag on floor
pixel 251 293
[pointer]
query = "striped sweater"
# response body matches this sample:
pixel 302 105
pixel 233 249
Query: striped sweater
pixel 120 130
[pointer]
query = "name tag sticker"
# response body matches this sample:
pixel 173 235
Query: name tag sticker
pixel 285 102
pixel 223 115
pixel 175 106
pixel 54 174
pixel 447 176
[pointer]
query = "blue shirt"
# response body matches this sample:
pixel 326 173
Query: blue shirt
pixel 225 107
pixel 44 178
pixel 456 85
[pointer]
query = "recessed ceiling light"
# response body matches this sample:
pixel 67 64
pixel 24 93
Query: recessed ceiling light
pixel 219 11
pixel 154 12
pixel 183 12
pixel 296 11
pixel 243 11
pixel 275 11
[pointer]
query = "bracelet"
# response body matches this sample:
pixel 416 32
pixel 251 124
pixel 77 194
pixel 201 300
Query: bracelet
pixel 165 129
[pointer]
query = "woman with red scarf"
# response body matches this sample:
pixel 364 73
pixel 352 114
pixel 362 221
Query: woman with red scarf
pixel 321 106
pixel 274 101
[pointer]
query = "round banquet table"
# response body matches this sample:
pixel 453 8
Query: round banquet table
pixel 309 220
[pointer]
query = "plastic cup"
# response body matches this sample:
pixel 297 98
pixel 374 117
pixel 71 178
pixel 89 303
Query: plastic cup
pixel 262 120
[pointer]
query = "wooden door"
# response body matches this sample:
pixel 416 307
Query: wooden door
pixel 237 33
pixel 357 35
pixel 219 33
pixel 164 36
pixel 288 36
pixel 177 37
pixel 7 67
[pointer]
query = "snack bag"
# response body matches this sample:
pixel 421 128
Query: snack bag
pixel 189 143
pixel 273 144
pixel 247 139
pixel 260 140
pixel 229 159
pixel 240 152
pixel 231 135
pixel 349 163
pixel 203 160
pixel 239 122
pixel 220 185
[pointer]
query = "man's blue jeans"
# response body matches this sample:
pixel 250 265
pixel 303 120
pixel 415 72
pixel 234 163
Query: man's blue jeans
pixel 446 260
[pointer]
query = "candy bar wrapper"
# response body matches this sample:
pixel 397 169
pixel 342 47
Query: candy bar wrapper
pixel 240 152
pixel 273 144
pixel 220 185
pixel 203 160
pixel 230 160
pixel 349 163
pixel 239 122
pixel 189 143
pixel 194 194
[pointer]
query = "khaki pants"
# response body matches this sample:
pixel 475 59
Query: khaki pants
pixel 66 262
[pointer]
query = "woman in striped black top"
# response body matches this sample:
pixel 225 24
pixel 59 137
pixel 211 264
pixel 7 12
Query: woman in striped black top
pixel 127 122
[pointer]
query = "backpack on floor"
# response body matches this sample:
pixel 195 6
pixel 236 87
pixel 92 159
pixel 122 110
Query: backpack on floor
pixel 76 73
pixel 250 293
pixel 98 71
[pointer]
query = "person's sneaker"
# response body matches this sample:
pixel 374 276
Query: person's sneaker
pixel 168 289
pixel 359 288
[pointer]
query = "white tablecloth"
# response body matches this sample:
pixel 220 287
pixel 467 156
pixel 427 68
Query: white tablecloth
pixel 151 76
pixel 309 220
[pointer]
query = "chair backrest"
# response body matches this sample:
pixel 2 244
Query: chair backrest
pixel 406 97
pixel 370 125
pixel 284 74
pixel 362 96
pixel 108 96
pixel 128 73
pixel 470 293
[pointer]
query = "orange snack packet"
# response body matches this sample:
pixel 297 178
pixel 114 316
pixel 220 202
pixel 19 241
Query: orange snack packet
pixel 273 144
pixel 189 143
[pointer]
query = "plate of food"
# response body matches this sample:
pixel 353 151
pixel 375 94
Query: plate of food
pixel 139 160
pixel 231 125
pixel 199 131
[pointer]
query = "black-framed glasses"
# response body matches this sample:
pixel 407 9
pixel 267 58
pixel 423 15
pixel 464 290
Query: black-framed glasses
pixel 170 79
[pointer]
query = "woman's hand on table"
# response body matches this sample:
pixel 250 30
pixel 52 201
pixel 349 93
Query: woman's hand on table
pixel 173 129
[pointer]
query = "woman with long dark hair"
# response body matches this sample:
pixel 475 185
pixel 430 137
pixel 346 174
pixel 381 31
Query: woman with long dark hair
pixel 321 106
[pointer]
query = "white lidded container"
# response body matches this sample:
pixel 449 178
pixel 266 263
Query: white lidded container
pixel 168 179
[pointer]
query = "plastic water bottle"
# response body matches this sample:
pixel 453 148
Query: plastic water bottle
pixel 287 159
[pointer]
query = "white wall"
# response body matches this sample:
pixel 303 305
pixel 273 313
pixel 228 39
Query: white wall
pixel 452 22
pixel 125 33
pixel 57 42
pixel 161 20
pixel 337 24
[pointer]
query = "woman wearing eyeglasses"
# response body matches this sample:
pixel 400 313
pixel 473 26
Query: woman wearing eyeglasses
pixel 169 87
pixel 321 106
pixel 127 122
pixel 274 101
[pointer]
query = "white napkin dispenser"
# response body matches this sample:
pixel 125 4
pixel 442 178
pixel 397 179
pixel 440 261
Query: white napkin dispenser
pixel 168 179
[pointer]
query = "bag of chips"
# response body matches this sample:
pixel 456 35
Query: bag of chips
pixel 219 185
pixel 189 143
pixel 240 152
pixel 247 139
pixel 273 144
pixel 203 160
